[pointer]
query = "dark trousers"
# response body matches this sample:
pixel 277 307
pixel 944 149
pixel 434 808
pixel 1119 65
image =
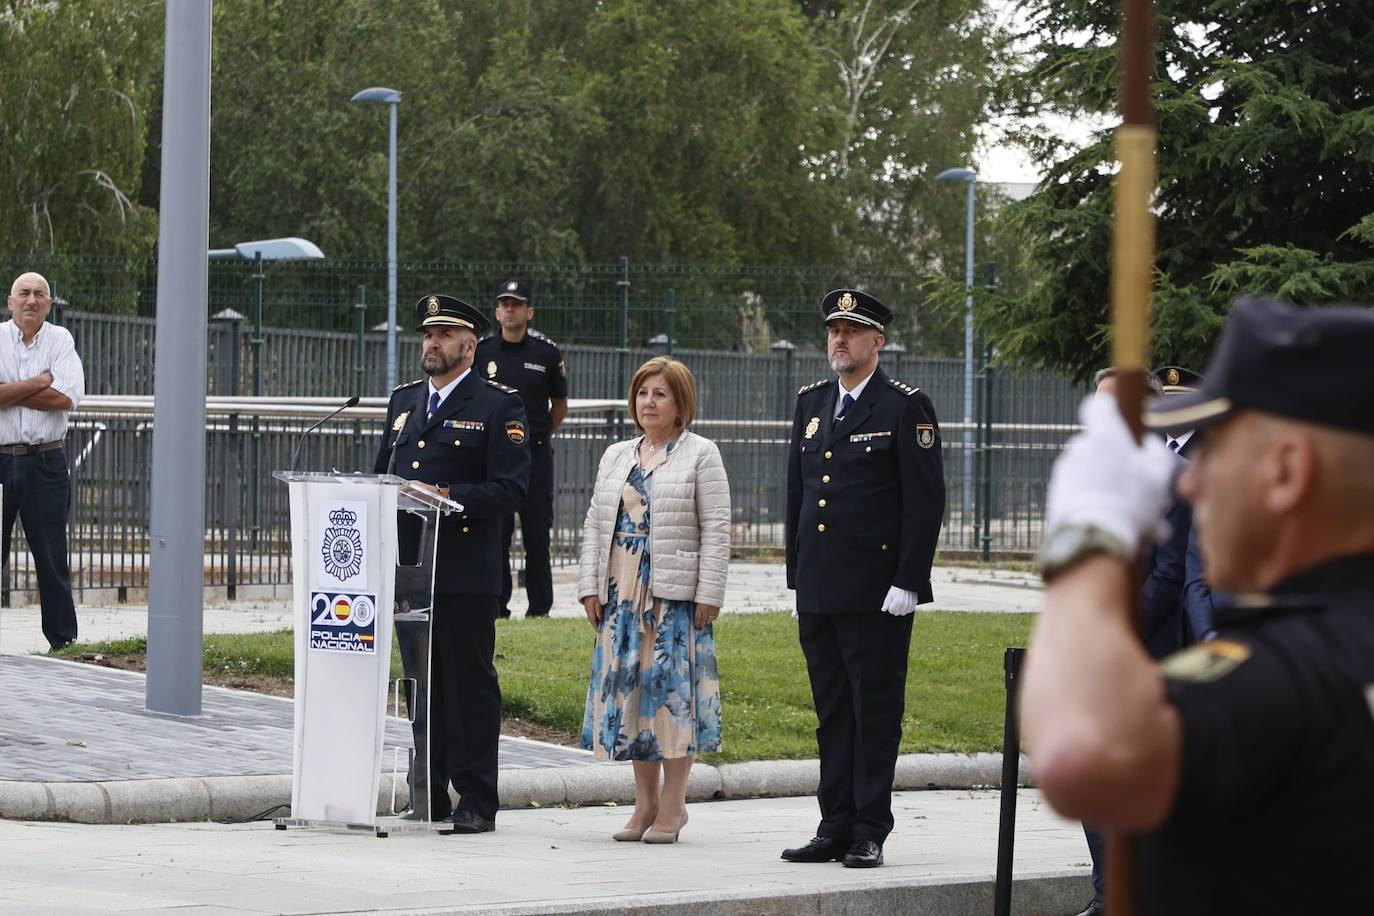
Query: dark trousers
pixel 1097 849
pixel 413 638
pixel 536 522
pixel 37 489
pixel 857 664
pixel 465 712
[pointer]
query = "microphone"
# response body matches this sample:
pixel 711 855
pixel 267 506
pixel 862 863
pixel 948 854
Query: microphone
pixel 296 455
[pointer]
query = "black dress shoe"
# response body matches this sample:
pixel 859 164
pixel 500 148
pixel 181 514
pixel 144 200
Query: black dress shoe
pixel 1094 908
pixel 864 854
pixel 819 849
pixel 467 822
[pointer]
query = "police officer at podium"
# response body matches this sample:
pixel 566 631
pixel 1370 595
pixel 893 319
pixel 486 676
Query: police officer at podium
pixel 468 435
pixel 865 500
pixel 530 363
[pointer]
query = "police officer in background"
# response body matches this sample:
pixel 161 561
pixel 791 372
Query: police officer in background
pixel 1248 760
pixel 467 434
pixel 865 499
pixel 530 363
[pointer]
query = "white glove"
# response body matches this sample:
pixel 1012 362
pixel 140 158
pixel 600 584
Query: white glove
pixel 1105 479
pixel 899 602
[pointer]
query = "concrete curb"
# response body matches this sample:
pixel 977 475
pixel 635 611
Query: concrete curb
pixel 1037 893
pixel 222 798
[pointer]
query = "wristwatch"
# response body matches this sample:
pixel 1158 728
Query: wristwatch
pixel 1068 545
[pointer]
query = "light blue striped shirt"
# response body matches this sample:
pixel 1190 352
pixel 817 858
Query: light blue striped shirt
pixel 52 350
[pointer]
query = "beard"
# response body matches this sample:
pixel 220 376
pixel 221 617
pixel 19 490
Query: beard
pixel 842 362
pixel 439 364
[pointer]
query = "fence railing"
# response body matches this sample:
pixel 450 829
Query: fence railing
pixel 248 516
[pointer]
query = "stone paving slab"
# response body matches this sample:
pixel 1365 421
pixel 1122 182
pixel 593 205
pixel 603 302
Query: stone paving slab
pixel 941 859
pixel 73 722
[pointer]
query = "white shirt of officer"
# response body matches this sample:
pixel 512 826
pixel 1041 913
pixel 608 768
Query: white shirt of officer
pixel 443 392
pixel 51 350
pixel 858 390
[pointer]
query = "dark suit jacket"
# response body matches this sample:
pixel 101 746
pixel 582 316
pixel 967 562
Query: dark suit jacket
pixel 478 443
pixel 865 501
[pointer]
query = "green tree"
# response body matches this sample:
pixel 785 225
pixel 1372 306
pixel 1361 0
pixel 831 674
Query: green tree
pixel 74 105
pixel 1266 171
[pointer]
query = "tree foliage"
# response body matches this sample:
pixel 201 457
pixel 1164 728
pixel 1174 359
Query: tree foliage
pixel 723 131
pixel 1266 170
pixel 73 109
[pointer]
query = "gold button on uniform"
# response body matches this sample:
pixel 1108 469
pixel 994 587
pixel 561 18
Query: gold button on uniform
pixel 465 530
pixel 884 547
pixel 827 454
pixel 821 504
pixel 868 448
pixel 825 478
pixel 821 527
pixel 421 443
pixel 415 465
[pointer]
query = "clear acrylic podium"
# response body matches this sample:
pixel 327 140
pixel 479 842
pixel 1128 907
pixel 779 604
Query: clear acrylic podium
pixel 363 550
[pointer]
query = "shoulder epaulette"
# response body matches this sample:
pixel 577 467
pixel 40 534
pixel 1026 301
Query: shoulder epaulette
pixel 538 336
pixel 506 388
pixel 487 338
pixel 903 387
pixel 814 385
pixel 407 384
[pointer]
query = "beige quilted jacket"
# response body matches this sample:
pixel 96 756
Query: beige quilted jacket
pixel 689 522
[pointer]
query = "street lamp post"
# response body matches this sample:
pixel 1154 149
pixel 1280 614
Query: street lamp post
pixel 970 177
pixel 287 249
pixel 391 98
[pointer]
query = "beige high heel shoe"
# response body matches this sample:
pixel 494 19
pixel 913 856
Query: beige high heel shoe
pixel 663 836
pixel 633 834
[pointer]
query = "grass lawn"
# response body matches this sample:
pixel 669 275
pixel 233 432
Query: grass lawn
pixel 954 696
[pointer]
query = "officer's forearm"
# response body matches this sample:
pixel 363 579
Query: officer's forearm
pixel 558 409
pixel 1103 739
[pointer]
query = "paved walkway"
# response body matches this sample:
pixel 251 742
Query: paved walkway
pixel 753 588
pixel 941 859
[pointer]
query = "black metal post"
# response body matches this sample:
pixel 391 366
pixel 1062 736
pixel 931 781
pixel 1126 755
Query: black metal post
pixel 1011 768
pixel 360 309
pixel 671 310
pixel 985 417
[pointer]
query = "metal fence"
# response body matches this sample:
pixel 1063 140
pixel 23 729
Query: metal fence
pixel 746 397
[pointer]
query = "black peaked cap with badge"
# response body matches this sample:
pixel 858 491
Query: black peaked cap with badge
pixel 1309 364
pixel 857 306
pixel 513 289
pixel 865 495
pixel 1177 379
pixel 439 310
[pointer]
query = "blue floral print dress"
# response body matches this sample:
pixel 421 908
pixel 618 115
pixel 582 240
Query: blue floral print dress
pixel 654 692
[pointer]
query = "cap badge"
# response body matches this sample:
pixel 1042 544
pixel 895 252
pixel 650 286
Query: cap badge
pixel 512 286
pixel 812 426
pixel 491 369
pixel 432 306
pixel 847 302
pixel 1173 377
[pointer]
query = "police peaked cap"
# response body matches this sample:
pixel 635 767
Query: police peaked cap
pixel 439 310
pixel 513 289
pixel 1309 364
pixel 1176 379
pixel 855 305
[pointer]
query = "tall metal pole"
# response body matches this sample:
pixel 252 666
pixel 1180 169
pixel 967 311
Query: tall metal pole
pixel 360 309
pixel 623 344
pixel 391 255
pixel 177 525
pixel 671 310
pixel 257 390
pixel 968 356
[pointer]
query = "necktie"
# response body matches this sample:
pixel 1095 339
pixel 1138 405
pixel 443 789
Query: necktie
pixel 1174 446
pixel 433 403
pixel 845 403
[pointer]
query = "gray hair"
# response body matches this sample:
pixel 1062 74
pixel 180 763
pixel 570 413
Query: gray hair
pixel 1153 384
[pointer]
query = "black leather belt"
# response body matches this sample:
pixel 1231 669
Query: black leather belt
pixel 30 449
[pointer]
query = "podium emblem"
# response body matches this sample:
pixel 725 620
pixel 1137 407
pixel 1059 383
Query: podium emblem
pixel 343 545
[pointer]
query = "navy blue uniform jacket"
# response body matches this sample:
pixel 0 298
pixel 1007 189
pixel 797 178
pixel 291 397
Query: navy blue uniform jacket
pixel 865 501
pixel 477 442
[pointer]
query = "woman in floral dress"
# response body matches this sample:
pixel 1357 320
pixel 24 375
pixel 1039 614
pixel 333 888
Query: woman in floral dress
pixel 655 551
